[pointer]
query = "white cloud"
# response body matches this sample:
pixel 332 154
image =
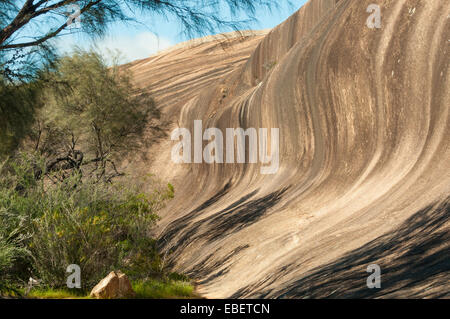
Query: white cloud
pixel 131 47
pixel 139 46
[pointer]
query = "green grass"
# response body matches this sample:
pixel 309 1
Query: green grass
pixel 56 294
pixel 149 289
pixel 168 289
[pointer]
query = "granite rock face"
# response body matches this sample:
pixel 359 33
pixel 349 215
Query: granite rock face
pixel 364 121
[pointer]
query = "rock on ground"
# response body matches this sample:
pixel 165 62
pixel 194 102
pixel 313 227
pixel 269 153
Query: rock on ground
pixel 115 285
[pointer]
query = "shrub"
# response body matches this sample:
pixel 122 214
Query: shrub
pixel 10 252
pixel 97 225
pixel 92 117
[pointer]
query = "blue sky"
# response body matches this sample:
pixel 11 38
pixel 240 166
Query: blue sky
pixel 154 34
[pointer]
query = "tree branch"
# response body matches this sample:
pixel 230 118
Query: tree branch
pixel 27 16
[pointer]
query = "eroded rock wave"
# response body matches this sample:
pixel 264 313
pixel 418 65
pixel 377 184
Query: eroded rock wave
pixel 363 116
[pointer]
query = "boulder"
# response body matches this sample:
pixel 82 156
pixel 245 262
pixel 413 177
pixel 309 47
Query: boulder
pixel 115 285
pixel 125 288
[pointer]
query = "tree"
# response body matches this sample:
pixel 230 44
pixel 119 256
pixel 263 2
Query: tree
pixel 92 117
pixel 17 105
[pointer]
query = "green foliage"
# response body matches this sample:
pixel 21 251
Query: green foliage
pixel 40 293
pixel 171 190
pixel 145 289
pixel 17 105
pixel 45 227
pixel 10 253
pixel 92 116
pixel 58 203
pixel 163 289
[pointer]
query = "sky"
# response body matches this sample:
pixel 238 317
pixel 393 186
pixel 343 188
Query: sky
pixel 154 34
